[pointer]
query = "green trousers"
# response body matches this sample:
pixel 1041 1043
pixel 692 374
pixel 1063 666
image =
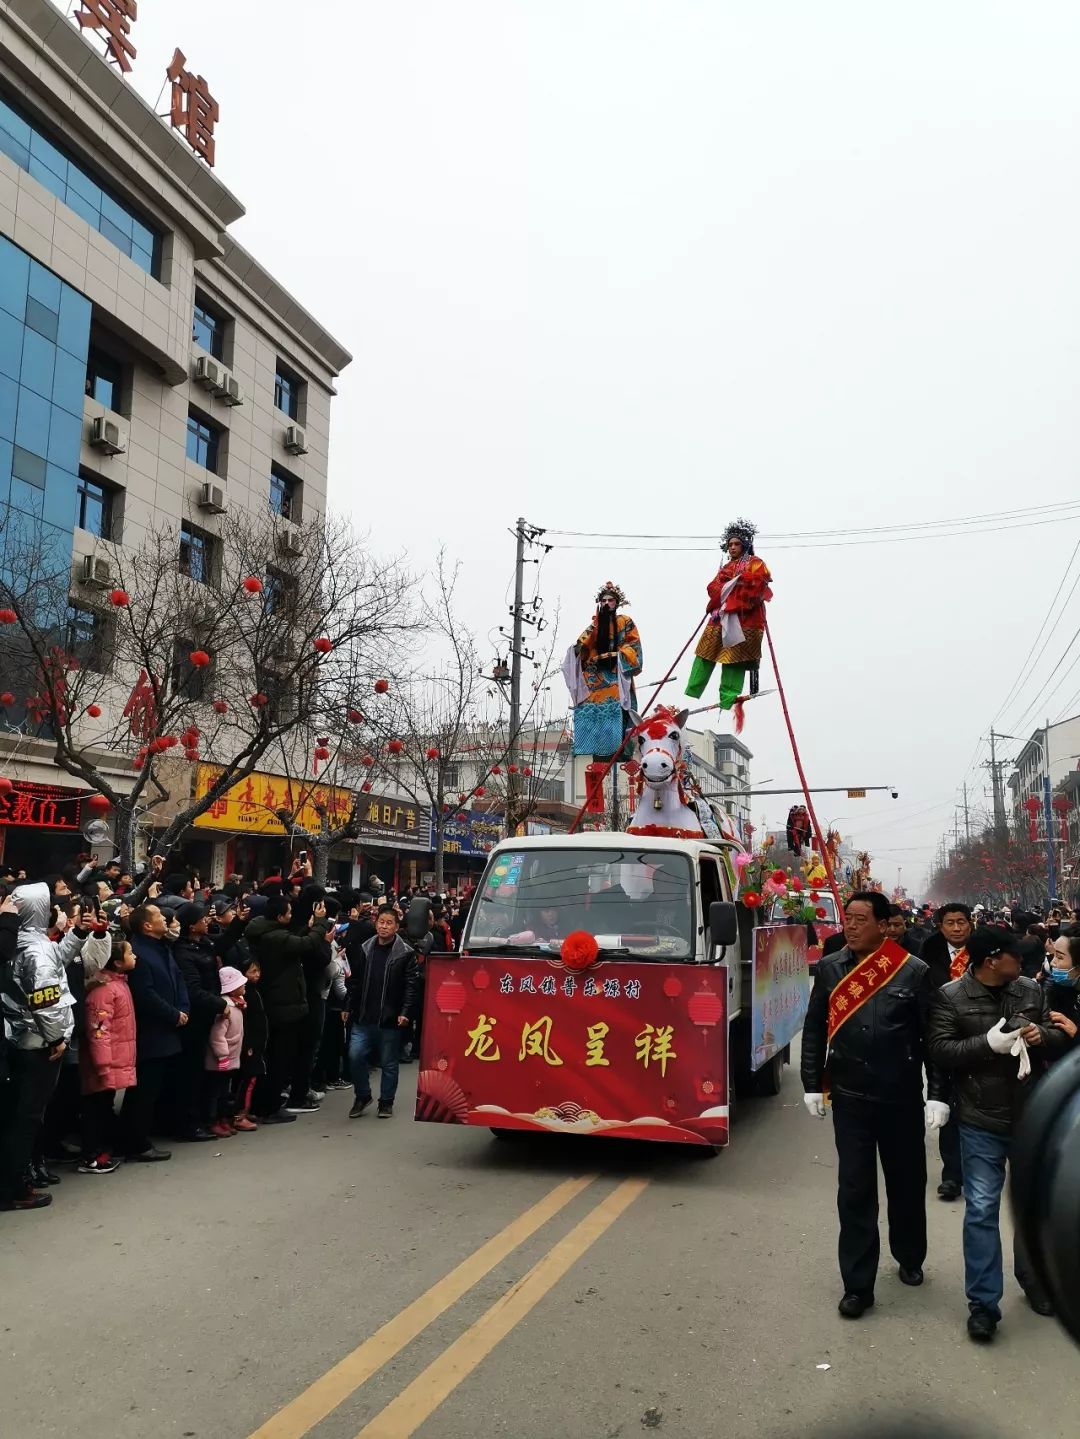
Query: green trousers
pixel 731 681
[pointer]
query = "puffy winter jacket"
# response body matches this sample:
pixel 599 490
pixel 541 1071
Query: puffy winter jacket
pixel 45 1016
pixel 107 1053
pixel 987 1093
pixel 160 996
pixel 226 1038
pixel 282 956
pixel 880 1052
pixel 199 966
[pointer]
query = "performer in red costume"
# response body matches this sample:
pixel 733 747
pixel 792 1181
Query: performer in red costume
pixel 732 637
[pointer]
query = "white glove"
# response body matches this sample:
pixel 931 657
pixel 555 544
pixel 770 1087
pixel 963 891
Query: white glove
pixel 937 1114
pixel 998 1041
pixel 815 1105
pixel 1020 1051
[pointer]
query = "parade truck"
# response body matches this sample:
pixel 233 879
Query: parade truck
pixel 610 984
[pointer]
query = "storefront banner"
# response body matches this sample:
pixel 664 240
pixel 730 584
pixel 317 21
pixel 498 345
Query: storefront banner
pixel 781 989
pixel 475 834
pixel 623 1050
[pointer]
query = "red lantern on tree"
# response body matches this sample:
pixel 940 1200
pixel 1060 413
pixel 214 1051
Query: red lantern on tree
pixel 432 753
pixel 191 754
pixel 526 771
pixel 5 785
pixel 98 804
pixel 495 769
pixel 257 701
pixel 394 746
pixel 322 754
pixel 221 707
pixel 199 659
pixel 253 585
pixel 8 617
pixel 323 644
pixel 356 717
pixel 7 698
pixel 119 598
pixel 381 686
pixel 480 791
pixel 366 786
pixel 512 768
pixel 94 711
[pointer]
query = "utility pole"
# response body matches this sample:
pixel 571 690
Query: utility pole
pixel 996 769
pixel 967 816
pixel 1048 818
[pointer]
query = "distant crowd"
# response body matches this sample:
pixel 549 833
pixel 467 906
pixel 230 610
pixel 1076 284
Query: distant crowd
pixel 195 1014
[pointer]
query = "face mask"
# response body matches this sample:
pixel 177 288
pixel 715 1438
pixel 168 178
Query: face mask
pixel 1060 976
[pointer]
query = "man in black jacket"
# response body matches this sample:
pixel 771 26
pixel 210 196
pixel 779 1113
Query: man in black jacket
pixel 865 1034
pixel 282 956
pixel 981 1028
pixel 946 953
pixel 382 995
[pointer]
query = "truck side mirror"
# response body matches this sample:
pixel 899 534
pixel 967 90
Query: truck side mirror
pixel 723 923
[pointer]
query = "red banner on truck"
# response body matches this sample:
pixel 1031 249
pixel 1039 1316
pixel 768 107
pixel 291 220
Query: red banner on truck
pixel 623 1050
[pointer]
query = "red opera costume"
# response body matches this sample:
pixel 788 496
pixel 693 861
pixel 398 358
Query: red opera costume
pixel 736 625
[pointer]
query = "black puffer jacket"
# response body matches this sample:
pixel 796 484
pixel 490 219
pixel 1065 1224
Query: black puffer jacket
pixel 880 1052
pixel 986 1092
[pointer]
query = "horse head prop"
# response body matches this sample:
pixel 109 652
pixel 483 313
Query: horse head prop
pixel 666 806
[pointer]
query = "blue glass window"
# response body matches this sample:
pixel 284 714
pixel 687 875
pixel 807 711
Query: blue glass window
pixel 38 363
pixel 287 387
pixel 94 507
pixel 202 441
pixel 282 493
pixel 65 176
pixel 208 327
pixel 103 379
pixel 85 637
pixel 196 554
pixel 32 424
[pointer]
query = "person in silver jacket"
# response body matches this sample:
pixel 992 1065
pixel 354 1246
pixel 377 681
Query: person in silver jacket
pixel 39 1011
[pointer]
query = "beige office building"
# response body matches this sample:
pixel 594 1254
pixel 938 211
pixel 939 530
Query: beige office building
pixel 150 369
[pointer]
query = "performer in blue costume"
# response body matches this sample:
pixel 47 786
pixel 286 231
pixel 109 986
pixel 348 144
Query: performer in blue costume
pixel 599 672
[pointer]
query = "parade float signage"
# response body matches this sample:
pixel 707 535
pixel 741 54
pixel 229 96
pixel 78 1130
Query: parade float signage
pixel 622 1050
pixel 781 989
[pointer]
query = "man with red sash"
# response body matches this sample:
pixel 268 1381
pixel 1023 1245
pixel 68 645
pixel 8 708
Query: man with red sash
pixel 864 1044
pixel 945 951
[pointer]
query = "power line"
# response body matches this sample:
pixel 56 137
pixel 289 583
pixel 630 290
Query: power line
pixel 1027 666
pixel 1064 676
pixel 995 528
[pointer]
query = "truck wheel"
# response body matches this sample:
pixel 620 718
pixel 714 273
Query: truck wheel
pixel 509 1134
pixel 770 1077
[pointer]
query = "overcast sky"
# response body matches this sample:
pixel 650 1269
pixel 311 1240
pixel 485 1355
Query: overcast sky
pixel 637 267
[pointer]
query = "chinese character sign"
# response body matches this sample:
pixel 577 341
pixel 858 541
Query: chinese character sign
pixel 113 18
pixel 781 989
pixel 41 806
pixel 194 111
pixel 251 803
pixel 627 1050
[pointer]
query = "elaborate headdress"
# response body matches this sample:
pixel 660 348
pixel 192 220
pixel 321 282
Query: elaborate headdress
pixel 609 587
pixel 741 529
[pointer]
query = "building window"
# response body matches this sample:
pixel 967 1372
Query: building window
pixel 85 638
pixel 284 494
pixel 185 678
pixel 94 507
pixel 203 441
pixel 287 388
pixel 55 167
pixel 208 327
pixel 104 377
pixel 279 594
pixel 196 554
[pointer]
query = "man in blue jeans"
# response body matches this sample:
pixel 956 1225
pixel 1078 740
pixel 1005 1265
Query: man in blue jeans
pixel 981 1029
pixel 382 993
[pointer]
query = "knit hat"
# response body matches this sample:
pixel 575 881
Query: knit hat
pixel 231 979
pixel 221 904
pixel 190 913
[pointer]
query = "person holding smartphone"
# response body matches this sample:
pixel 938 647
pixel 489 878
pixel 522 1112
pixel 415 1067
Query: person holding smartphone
pixel 982 1027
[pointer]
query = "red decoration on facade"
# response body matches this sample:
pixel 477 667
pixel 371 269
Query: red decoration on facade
pixel 113 18
pixel 193 110
pixel 579 950
pixel 199 659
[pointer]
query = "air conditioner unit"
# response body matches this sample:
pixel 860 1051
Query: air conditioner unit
pixel 212 499
pixel 95 572
pixel 208 373
pixel 295 440
pixel 108 436
pixel 289 542
pixel 233 394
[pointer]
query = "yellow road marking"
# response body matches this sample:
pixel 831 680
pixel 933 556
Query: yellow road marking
pixel 322 1397
pixel 416 1403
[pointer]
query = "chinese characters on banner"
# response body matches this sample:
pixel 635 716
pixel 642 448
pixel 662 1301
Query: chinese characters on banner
pixel 475 834
pixel 781 989
pixel 41 806
pixel 625 1050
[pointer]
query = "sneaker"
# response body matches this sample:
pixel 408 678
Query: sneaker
pixel 27 1199
pixel 280 1117
pixel 101 1164
pixel 243 1125
pixel 981 1326
pixel 222 1130
pixel 306 1106
pixel 316 1096
pixel 339 1084
pixel 386 1111
pixel 150 1156
pixel 359 1107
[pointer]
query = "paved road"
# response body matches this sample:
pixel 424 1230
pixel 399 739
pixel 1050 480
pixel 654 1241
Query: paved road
pixel 527 1289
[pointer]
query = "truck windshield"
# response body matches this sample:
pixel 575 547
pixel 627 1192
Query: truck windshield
pixel 636 902
pixel 824 901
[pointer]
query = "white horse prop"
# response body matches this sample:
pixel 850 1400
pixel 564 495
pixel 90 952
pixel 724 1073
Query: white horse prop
pixel 671 805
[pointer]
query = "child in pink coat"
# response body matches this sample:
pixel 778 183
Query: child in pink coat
pixel 223 1050
pixel 107 1053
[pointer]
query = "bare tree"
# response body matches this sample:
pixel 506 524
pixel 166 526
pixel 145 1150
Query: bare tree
pixel 221 655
